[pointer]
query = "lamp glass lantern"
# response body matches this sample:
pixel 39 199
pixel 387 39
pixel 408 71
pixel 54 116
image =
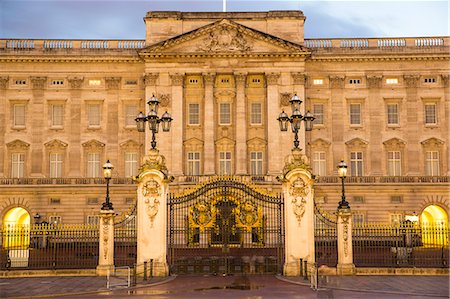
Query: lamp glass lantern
pixel 342 169
pixel 153 121
pixel 166 120
pixel 283 119
pixel 140 122
pixel 295 103
pixel 308 118
pixel 107 169
pixel 153 104
pixel 296 120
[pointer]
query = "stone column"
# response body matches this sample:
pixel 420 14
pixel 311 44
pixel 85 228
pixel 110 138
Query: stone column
pixel 412 108
pixel 106 243
pixel 241 125
pixel 152 213
pixel 4 106
pixel 446 84
pixel 74 127
pixel 376 122
pixel 209 129
pixel 112 113
pixel 337 125
pixel 176 162
pixel 298 212
pixel 273 128
pixel 37 126
pixel 345 264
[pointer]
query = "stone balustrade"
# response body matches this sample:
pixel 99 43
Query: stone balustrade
pixel 27 44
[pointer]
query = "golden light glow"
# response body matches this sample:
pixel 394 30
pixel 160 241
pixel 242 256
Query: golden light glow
pixel 434 221
pixel 16 225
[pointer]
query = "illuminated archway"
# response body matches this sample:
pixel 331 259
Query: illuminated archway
pixel 434 223
pixel 16 226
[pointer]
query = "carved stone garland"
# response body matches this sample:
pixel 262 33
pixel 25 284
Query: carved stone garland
pixel 151 192
pixel 299 192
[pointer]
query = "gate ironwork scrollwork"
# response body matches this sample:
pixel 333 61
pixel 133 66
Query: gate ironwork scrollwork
pixel 225 226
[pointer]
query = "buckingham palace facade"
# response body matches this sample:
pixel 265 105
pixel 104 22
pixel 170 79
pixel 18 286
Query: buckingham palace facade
pixel 380 104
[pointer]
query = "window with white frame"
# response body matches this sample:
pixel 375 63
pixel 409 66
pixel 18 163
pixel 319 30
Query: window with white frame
pixel 93 165
pixel 194 114
pixel 193 163
pixel 432 163
pixel 93 115
pixel 256 114
pixel 430 114
pixel 319 163
pixel 19 116
pixel 392 114
pixel 225 163
pixel 17 165
pixel 391 81
pixel 56 115
pixel 355 114
pixel 394 163
pixel 92 219
pixel 356 163
pixel 131 164
pixel 395 218
pixel 225 114
pixel 318 112
pixel 130 115
pixel 256 163
pixel 317 81
pixel 56 165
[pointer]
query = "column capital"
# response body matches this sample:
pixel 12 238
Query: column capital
pixel 209 78
pixel 177 79
pixel 113 82
pixel 445 79
pixel 38 82
pixel 75 82
pixel 374 81
pixel 337 81
pixel 240 77
pixel 298 78
pixel 272 78
pixel 4 82
pixel 150 79
pixel 411 80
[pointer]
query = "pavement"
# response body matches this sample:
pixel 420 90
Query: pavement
pixel 256 286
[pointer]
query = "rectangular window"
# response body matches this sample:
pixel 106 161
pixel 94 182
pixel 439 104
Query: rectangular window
pixel 429 80
pixel 319 163
pixel 19 116
pixel 318 114
pixel 55 201
pixel 17 165
pixel 57 82
pixel 130 115
pixel 131 164
pixel 317 81
pixel 94 116
pixel 93 165
pixel 430 114
pixel 356 163
pixel 392 81
pixel 354 81
pixel 358 199
pixel 225 114
pixel 432 163
pixel 225 163
pixel 392 114
pixel 358 218
pixel 194 114
pixel 193 160
pixel 93 219
pixel 55 220
pixel 256 114
pixel 396 199
pixel 56 165
pixel 394 163
pixel 57 115
pixel 92 201
pixel 355 114
pixel 256 163
pixel 395 219
pixel 95 82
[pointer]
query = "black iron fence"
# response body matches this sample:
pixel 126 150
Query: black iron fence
pixel 325 236
pixel 402 245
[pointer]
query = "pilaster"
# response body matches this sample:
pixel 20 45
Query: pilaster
pixel 177 130
pixel 345 264
pixel 37 125
pixel 74 126
pixel 241 125
pixel 209 129
pixel 412 119
pixel 376 121
pixel 3 108
pixel 106 243
pixel 112 112
pixel 273 132
pixel 337 103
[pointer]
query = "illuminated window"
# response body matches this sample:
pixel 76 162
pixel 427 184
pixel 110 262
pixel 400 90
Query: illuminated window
pixel 95 82
pixel 317 81
pixel 256 114
pixel 131 164
pixel 225 163
pixel 194 114
pixel 193 163
pixel 394 163
pixel 319 163
pixel 56 165
pixel 256 163
pixel 392 81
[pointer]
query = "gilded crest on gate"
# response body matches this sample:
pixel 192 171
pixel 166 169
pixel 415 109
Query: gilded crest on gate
pixel 248 216
pixel 202 215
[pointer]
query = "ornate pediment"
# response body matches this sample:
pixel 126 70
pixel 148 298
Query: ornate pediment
pixel 320 143
pixel 223 37
pixel 256 143
pixel 130 144
pixel 432 142
pixel 17 145
pixel 55 144
pixel 93 144
pixel 357 143
pixel 394 143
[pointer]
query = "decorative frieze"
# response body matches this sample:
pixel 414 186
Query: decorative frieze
pixel 298 78
pixel 150 79
pixel 75 82
pixel 4 82
pixel 374 81
pixel 411 80
pixel 337 81
pixel 113 82
pixel 272 78
pixel 177 79
pixel 38 82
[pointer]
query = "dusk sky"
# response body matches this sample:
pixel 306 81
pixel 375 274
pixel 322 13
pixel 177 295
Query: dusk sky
pixel 115 19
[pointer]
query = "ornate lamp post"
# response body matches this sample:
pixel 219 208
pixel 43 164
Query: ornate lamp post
pixel 342 171
pixel 107 172
pixel 295 119
pixel 153 120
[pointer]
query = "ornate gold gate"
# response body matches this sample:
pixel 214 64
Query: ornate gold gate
pixel 225 226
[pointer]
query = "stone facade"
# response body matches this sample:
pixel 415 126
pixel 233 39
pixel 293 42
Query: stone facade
pixel 66 107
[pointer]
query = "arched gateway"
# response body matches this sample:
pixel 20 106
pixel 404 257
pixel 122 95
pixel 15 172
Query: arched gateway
pixel 225 226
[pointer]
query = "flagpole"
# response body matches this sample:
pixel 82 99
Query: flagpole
pixel 224 8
